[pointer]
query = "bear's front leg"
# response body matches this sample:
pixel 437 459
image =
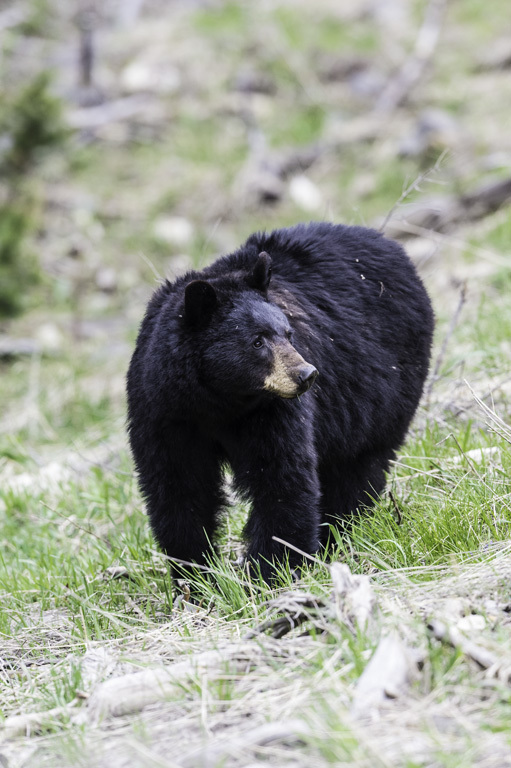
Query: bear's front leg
pixel 276 470
pixel 181 478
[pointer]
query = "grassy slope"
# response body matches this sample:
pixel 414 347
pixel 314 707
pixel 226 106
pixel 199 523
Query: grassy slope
pixel 69 507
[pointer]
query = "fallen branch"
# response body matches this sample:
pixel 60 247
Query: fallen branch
pixel 353 595
pixel 389 672
pixel 453 637
pixel 352 603
pixel 131 693
pixel 442 214
pixel 89 118
pixel 297 608
pixel 485 200
pixel 10 348
pixel 34 722
pixel 128 694
pixel 288 731
pixel 413 69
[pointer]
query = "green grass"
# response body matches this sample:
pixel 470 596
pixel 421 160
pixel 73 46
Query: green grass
pixel 302 128
pixel 60 545
pixel 482 19
pixel 312 32
pixel 229 20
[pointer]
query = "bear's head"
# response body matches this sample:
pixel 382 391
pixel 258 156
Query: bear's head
pixel 244 341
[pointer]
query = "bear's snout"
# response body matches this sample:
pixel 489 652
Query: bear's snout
pixel 291 375
pixel 306 377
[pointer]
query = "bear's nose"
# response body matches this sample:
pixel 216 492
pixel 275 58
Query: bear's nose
pixel 307 376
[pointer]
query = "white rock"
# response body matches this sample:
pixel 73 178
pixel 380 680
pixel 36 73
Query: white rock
pixel 174 230
pixel 142 75
pixel 471 623
pixel 305 194
pixel 477 455
pixel 49 337
pixel 106 279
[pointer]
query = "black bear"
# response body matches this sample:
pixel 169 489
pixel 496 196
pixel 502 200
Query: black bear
pixel 299 361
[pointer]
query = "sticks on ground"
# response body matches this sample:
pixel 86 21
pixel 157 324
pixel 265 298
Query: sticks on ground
pixel 391 669
pixel 453 637
pixel 443 214
pixel 414 67
pixel 289 731
pixel 352 602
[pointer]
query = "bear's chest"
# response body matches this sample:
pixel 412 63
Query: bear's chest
pixel 231 438
pixel 236 438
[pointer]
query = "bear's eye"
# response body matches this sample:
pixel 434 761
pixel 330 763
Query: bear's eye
pixel 258 342
pixel 289 335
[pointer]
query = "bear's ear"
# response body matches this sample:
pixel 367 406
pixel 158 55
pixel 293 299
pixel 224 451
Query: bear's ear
pixel 200 302
pixel 261 274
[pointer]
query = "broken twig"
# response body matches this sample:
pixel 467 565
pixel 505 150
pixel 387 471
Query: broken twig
pixel 412 70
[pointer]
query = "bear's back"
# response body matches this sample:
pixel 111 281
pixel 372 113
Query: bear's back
pixel 368 324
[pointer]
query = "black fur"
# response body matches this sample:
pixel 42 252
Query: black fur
pixel 357 311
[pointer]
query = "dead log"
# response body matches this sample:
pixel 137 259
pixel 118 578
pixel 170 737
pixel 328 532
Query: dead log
pixel 132 692
pixel 388 674
pixel 11 348
pixel 216 753
pixel 443 214
pixel 454 638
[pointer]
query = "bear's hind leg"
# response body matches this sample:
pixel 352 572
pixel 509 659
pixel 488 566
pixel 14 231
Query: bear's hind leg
pixel 347 487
